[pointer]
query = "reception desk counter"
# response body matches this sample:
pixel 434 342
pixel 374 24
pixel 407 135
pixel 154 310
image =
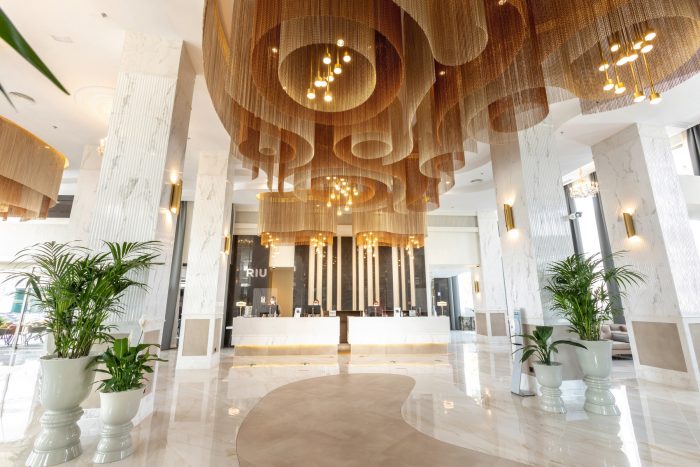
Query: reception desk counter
pixel 285 336
pixel 390 334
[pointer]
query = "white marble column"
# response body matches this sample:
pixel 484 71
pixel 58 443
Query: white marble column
pixel 637 175
pixel 146 142
pixel 312 275
pixel 83 208
pixel 395 277
pixel 361 278
pixel 377 290
pixel 404 304
pixel 354 275
pixel 528 177
pixel 339 275
pixel 329 276
pixel 370 276
pixel 412 278
pixel 319 274
pixel 207 265
pixel 490 307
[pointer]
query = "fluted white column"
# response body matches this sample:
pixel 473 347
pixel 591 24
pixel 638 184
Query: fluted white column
pixel 377 290
pixel 319 274
pixel 207 264
pixel 312 275
pixel 404 305
pixel 370 277
pixel 146 141
pixel 490 300
pixel 354 275
pixel 395 276
pixel 83 208
pixel 361 278
pixel 339 275
pixel 329 276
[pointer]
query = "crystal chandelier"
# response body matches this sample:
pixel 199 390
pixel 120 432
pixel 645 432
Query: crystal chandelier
pixel 583 187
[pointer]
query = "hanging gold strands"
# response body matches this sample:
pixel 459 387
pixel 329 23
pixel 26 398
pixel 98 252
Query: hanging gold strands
pixel 30 173
pixel 392 96
pixel 389 229
pixel 285 220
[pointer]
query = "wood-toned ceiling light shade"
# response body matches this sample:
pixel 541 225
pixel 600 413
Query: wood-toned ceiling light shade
pixel 389 229
pixel 285 220
pixel 426 80
pixel 30 173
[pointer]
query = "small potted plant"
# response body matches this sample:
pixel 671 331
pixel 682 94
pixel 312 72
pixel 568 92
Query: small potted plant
pixel 579 286
pixel 547 372
pixel 78 290
pixel 120 396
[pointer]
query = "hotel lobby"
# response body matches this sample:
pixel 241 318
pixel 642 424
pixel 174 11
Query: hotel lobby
pixel 350 233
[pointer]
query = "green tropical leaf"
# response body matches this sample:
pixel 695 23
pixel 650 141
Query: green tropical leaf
pixel 10 34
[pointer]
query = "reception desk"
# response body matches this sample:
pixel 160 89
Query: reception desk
pixel 423 334
pixel 285 336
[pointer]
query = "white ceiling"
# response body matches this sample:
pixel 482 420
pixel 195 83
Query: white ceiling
pixel 83 48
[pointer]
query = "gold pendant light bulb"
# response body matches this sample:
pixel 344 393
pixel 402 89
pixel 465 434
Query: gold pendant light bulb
pixel 340 42
pixel 620 87
pixel 632 57
pixel 603 66
pixel 636 45
pixel 327 60
pixel 310 94
pixel 337 69
pixel 328 204
pixel 346 57
pixel 646 48
pixel 614 47
pixel 639 96
pixel 621 61
pixel 609 85
pixel 330 78
pixel 655 98
pixel 650 35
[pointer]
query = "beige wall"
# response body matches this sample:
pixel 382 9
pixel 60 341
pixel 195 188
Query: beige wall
pixel 282 279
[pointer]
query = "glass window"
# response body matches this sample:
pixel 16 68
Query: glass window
pixel 681 154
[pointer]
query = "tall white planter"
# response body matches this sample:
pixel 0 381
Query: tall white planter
pixel 116 411
pixel 549 378
pixel 65 383
pixel 596 362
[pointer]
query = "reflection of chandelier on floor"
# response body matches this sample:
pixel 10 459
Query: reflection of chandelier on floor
pixel 583 187
pixel 323 81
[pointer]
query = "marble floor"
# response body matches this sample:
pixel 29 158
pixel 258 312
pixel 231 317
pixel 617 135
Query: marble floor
pixel 461 398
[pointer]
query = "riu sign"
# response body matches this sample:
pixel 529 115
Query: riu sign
pixel 256 272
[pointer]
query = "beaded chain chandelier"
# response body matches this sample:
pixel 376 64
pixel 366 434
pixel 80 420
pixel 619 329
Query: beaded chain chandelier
pixel 371 106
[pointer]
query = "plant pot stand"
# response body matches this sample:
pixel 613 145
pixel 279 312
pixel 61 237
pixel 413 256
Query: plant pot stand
pixel 599 399
pixel 549 377
pixel 551 401
pixel 59 439
pixel 596 363
pixel 115 443
pixel 116 411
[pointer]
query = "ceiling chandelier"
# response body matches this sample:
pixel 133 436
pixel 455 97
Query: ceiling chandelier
pixel 322 80
pixel 583 187
pixel 416 85
pixel 625 48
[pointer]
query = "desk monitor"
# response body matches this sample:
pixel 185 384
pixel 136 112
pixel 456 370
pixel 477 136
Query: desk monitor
pixel 374 311
pixel 313 310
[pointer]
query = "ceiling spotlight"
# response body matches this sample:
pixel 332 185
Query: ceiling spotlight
pixel 340 42
pixel 646 48
pixel 310 94
pixel 620 87
pixel 655 98
pixel 327 60
pixel 603 66
pixel 650 35
pixel 609 84
pixel 346 57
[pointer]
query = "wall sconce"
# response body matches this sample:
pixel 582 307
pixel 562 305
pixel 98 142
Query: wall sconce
pixel 227 244
pixel 175 196
pixel 508 214
pixel 477 287
pixel 629 224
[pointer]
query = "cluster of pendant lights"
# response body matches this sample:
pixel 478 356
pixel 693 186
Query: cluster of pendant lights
pixel 340 194
pixel 321 80
pixel 627 49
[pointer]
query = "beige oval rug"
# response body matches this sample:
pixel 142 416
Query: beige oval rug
pixel 345 420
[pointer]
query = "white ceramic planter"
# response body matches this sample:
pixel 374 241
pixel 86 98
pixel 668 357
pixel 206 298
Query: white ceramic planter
pixel 65 383
pixel 549 378
pixel 116 411
pixel 596 362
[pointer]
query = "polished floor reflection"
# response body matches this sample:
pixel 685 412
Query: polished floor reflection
pixel 462 398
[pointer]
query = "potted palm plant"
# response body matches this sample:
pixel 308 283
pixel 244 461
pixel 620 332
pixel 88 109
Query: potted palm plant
pixel 547 371
pixel 78 290
pixel 579 289
pixel 120 396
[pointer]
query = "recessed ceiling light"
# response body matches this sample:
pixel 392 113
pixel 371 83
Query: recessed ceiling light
pixel 21 95
pixel 64 39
